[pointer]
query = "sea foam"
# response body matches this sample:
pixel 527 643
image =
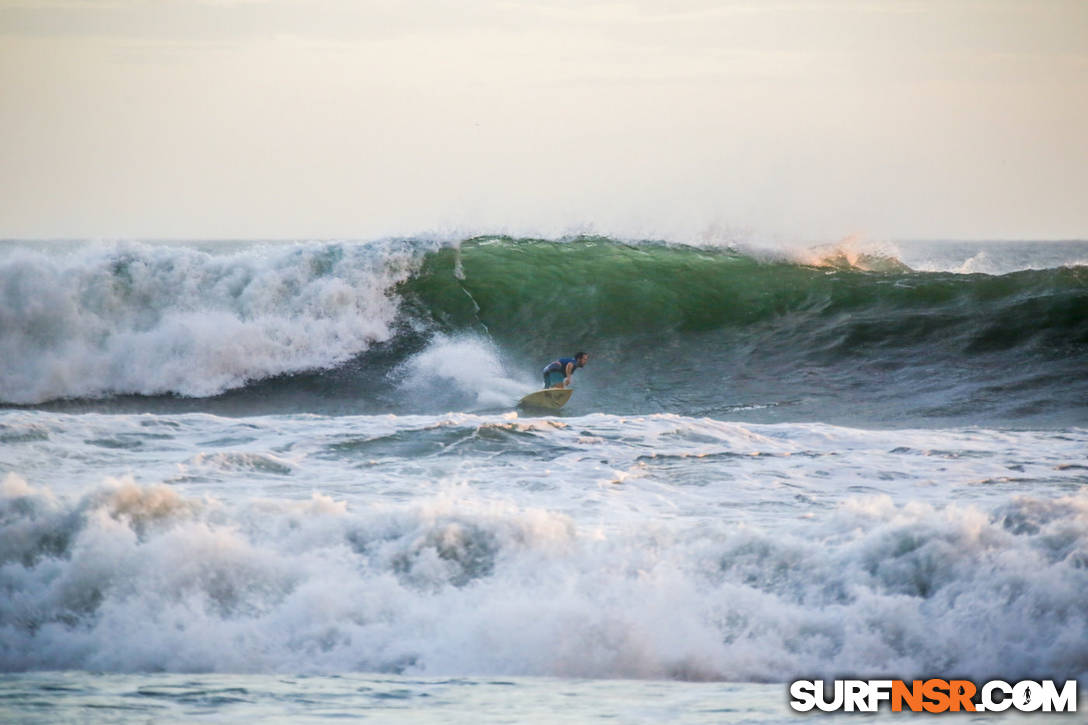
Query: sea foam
pixel 96 320
pixel 130 578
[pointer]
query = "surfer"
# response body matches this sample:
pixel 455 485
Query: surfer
pixel 558 372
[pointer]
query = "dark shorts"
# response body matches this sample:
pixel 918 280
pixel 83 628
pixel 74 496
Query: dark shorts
pixel 553 378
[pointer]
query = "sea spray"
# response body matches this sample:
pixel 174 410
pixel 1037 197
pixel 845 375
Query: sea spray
pixel 455 368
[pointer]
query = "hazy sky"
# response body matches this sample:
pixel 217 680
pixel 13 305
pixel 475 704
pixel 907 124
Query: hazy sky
pixel 364 118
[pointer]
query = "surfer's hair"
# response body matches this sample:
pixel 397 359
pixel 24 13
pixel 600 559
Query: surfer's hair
pixel 579 355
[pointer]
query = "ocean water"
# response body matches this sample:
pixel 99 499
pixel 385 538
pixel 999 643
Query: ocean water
pixel 288 482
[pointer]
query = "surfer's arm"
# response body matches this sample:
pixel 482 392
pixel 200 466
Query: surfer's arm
pixel 568 372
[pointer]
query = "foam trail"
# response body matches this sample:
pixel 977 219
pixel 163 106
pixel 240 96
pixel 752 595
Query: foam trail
pixel 467 366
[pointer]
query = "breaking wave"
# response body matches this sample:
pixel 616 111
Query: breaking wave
pixel 139 578
pixel 403 325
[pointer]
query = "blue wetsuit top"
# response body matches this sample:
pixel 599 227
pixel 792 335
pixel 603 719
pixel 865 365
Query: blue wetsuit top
pixel 560 365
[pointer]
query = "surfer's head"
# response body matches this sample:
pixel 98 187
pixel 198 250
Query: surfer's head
pixel 580 358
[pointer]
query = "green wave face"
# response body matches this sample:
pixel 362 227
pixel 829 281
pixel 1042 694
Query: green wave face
pixel 720 333
pixel 588 291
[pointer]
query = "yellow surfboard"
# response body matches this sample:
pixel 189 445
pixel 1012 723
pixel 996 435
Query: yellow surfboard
pixel 551 399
